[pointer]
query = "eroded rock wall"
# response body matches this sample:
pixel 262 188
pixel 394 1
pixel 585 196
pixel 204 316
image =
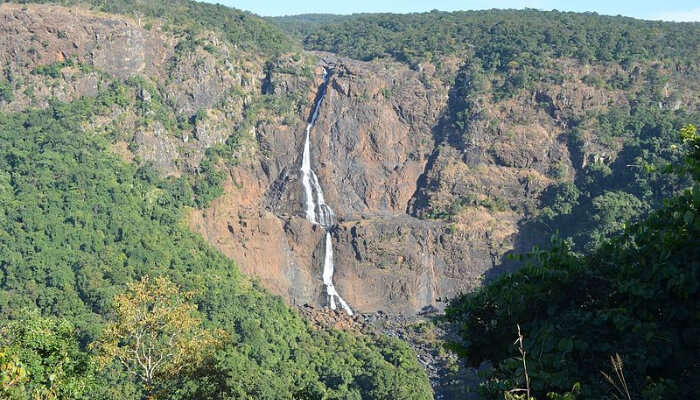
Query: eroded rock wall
pixel 422 216
pixel 52 52
pixel 370 146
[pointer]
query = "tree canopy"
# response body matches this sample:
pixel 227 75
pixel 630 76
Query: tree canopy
pixel 497 37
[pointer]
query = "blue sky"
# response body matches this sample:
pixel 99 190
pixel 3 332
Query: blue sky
pixel 678 10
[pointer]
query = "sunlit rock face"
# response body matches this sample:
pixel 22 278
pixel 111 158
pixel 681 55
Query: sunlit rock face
pixel 370 144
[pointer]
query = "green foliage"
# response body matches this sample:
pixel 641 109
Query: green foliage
pixel 466 98
pixel 6 91
pixel 52 70
pixel 608 192
pixel 151 106
pixel 593 80
pixel 302 25
pixel 610 213
pixel 156 333
pixel 636 295
pixel 562 198
pixel 690 138
pixel 47 349
pixel 382 370
pixel 515 48
pixel 503 39
pixel 208 184
pixel 13 374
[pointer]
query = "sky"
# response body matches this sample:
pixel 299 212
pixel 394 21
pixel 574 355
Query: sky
pixel 670 10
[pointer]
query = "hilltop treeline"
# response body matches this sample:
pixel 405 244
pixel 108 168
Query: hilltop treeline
pixel 498 37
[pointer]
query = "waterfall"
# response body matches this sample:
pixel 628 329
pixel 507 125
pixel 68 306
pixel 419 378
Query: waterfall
pixel 317 211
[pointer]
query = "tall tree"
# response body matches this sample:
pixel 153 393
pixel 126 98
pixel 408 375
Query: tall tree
pixel 156 332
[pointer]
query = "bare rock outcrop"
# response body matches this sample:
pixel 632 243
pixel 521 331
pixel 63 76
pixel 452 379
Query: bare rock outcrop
pixel 422 217
pixel 370 146
pixel 53 52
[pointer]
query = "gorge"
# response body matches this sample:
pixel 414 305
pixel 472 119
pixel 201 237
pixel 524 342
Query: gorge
pixel 345 207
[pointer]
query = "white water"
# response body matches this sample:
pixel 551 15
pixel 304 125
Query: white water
pixel 317 211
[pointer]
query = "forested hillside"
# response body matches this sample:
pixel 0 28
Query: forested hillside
pixel 495 36
pixel 78 225
pixel 633 301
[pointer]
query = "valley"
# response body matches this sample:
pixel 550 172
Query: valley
pixel 344 200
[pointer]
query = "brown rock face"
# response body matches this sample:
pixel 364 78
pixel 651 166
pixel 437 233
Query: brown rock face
pixel 282 252
pixel 404 264
pixel 370 145
pixel 370 142
pixel 40 35
pixel 422 217
pixel 373 138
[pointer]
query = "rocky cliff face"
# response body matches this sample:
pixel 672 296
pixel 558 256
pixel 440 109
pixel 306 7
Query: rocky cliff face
pixel 370 146
pixel 420 218
pixel 52 52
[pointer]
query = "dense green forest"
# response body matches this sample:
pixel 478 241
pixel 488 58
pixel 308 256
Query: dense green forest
pixel 299 26
pixel 603 199
pixel 77 225
pixel 636 296
pixel 497 37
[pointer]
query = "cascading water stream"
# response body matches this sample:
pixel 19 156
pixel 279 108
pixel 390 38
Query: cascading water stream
pixel 317 211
